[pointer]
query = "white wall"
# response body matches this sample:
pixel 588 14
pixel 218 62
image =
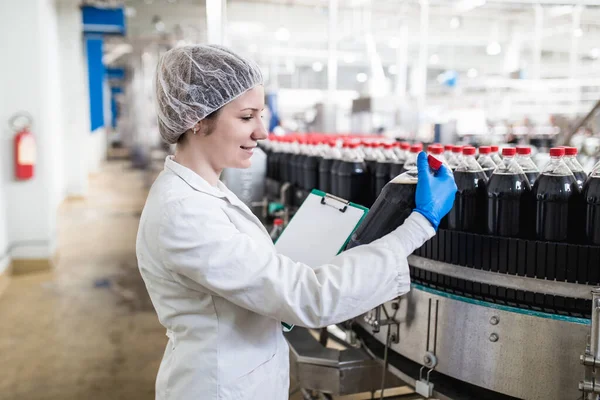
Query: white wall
pixel 28 34
pixel 76 114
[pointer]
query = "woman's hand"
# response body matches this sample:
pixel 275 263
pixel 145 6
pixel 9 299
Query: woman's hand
pixel 435 191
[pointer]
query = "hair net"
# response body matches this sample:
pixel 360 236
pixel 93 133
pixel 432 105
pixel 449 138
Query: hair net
pixel 193 81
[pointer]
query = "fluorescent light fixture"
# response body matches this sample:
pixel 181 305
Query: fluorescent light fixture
pixel 595 53
pixel 361 77
pixel 394 43
pixel 434 59
pixel 455 23
pixel 472 73
pixel 393 69
pixel 578 32
pixel 493 49
pixel 282 34
pixel 349 58
pixel 317 66
pixel 468 5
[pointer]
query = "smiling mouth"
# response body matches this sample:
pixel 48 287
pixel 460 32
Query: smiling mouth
pixel 248 148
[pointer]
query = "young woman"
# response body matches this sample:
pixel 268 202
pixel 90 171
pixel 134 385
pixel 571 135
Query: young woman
pixel 216 281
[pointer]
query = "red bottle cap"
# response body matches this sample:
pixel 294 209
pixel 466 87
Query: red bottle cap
pixel 417 147
pixel 388 145
pixel 278 222
pixel 557 152
pixel 509 151
pixel 436 149
pixel 404 145
pixel 434 163
pixel 571 151
pixel 495 149
pixel 469 151
pixel 457 149
pixel 523 150
pixel 485 149
pixel 448 147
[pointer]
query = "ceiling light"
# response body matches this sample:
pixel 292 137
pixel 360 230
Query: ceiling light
pixel 595 53
pixel 493 49
pixel 282 34
pixel 393 69
pixel 317 66
pixel 394 43
pixel 434 59
pixel 361 77
pixel 578 32
pixel 349 58
pixel 472 73
pixel 455 23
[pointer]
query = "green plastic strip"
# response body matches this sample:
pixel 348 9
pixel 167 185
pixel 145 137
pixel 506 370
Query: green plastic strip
pixel 557 317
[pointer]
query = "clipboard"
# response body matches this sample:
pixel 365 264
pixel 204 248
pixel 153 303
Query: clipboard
pixel 320 230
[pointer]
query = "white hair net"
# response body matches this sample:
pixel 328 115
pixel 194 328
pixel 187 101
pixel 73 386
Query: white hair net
pixel 194 81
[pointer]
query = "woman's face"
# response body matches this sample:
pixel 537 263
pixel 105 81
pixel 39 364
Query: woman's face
pixel 236 130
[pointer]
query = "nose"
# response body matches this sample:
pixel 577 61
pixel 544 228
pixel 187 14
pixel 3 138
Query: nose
pixel 260 132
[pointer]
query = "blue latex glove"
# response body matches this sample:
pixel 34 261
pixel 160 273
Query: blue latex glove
pixel 435 191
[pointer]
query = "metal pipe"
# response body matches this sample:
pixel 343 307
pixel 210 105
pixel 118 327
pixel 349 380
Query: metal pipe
pixel 595 335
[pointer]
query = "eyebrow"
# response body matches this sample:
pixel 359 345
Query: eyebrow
pixel 253 109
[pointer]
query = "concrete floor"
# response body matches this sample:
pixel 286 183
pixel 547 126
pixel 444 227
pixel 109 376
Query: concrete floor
pixel 87 329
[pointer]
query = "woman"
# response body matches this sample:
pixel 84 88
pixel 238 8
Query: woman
pixel 212 272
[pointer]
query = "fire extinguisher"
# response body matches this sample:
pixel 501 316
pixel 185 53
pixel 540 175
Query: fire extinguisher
pixel 24 145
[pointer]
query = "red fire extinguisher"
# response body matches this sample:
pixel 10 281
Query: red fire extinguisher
pixel 25 148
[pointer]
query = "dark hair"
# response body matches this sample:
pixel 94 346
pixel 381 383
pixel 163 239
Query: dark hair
pixel 210 126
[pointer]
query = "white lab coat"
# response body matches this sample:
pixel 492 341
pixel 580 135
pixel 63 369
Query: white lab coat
pixel 221 290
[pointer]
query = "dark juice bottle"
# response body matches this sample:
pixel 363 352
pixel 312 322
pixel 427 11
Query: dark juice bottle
pixel 456 157
pixel 411 157
pixel 402 149
pixel 335 165
pixel 395 203
pixel 485 160
pixel 352 174
pixel 571 160
pixel 468 211
pixel 382 172
pixel 284 161
pixel 527 165
pixel 372 157
pixel 310 167
pixel 325 164
pixel 556 208
pixel 591 201
pixel 509 199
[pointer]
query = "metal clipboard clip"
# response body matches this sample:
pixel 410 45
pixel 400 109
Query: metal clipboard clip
pixel 335 199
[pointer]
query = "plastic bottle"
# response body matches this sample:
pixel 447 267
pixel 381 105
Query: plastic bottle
pixel 509 199
pixel 277 229
pixel 556 193
pixel 325 164
pixel 352 175
pixel 524 160
pixel 437 150
pixel 372 157
pixel 382 173
pixel 448 155
pixel 591 200
pixel 456 157
pixel 284 160
pixel 495 156
pixel 485 160
pixel 470 201
pixel 411 158
pixel 337 159
pixel 402 148
pixel 571 160
pixel 310 166
pixel 395 203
